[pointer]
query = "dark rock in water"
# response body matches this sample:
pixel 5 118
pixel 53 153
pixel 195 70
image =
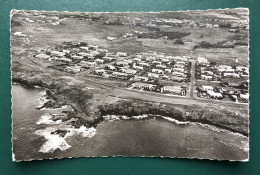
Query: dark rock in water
pixel 60 132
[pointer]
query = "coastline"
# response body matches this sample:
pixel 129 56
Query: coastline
pixel 129 108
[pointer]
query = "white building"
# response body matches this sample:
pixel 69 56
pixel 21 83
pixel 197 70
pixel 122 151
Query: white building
pixel 153 75
pixel 202 61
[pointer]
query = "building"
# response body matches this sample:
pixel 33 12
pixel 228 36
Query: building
pixel 232 74
pixel 108 59
pixel 77 57
pixel 121 63
pixel 207 88
pixel 145 86
pixel 168 70
pixel 84 48
pixel 143 64
pixel 99 71
pixel 178 74
pixel 159 71
pixel 213 94
pixel 179 66
pixel 73 69
pixel 110 67
pixel 206 77
pixel 57 53
pixel 141 78
pixel 64 59
pixel 88 64
pixel 119 74
pixel 121 54
pixel 178 70
pixel 83 54
pixel 161 66
pixel 138 67
pixel 43 56
pixel 157 62
pixel 129 71
pixel 202 61
pixel 177 90
pixel 153 75
pixel 100 61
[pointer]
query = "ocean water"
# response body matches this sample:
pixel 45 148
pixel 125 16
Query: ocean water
pixel 116 135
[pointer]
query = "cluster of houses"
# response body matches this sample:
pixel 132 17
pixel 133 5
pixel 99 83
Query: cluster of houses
pixel 80 56
pixel 172 90
pixel 209 72
pixel 223 75
pixel 147 67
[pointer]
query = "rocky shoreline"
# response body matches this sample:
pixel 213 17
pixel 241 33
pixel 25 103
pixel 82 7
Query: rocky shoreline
pixel 79 101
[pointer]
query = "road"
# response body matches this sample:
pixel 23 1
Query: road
pixel 113 90
pixel 192 79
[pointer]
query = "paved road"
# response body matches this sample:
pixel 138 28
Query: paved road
pixel 155 97
pixel 192 79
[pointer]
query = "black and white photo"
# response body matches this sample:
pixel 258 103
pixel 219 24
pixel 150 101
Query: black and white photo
pixel 138 84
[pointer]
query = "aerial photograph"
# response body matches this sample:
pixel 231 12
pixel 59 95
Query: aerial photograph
pixel 133 84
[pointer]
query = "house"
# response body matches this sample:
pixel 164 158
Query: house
pixel 83 54
pixel 138 67
pixel 129 71
pixel 121 54
pixel 66 51
pixel 213 94
pixel 207 72
pixel 244 97
pixel 94 53
pixel 164 60
pixel 108 59
pixel 160 66
pixel 159 71
pixel 232 74
pixel 178 74
pixel 110 67
pixel 202 61
pixel 145 86
pixel 84 48
pixel 179 66
pixel 207 88
pixel 88 64
pixel 156 62
pixel 73 69
pixel 57 53
pixel 121 63
pixel 75 50
pixel 137 59
pixel 119 74
pixel 224 67
pixel 168 70
pixel 111 38
pixel 141 78
pixel 241 68
pixel 206 77
pixel 153 75
pixel 42 56
pixel 180 62
pixel 178 70
pixel 143 64
pixel 221 70
pixel 173 90
pixel 99 71
pixel 100 61
pixel 93 47
pixel 150 58
pixel 65 60
pixel 77 57
pixel 128 61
